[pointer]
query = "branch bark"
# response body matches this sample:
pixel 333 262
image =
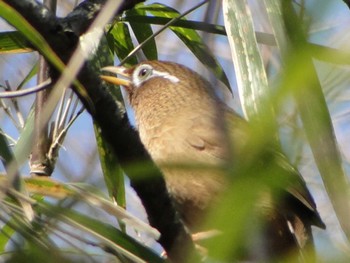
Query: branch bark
pixel 39 162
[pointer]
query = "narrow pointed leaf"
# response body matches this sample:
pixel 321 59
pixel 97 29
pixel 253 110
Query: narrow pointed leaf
pixel 119 40
pixel 109 235
pixel 302 80
pixel 112 172
pixel 250 72
pixel 13 42
pixel 142 31
pixel 191 39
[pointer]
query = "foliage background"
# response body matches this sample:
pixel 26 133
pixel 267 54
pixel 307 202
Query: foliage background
pixel 327 24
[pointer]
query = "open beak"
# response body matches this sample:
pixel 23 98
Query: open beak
pixel 114 80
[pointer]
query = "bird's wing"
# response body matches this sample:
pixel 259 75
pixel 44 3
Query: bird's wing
pixel 294 182
pixel 297 188
pixel 206 140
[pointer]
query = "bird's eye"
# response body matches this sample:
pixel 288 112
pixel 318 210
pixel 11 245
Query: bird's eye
pixel 141 74
pixel 144 72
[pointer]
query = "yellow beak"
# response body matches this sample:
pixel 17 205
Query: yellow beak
pixel 114 80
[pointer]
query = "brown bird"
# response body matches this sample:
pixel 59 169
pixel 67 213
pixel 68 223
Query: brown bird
pixel 187 130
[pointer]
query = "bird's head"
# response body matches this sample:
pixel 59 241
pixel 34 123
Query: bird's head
pixel 157 77
pixel 162 89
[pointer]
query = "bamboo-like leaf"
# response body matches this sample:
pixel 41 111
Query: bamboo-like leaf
pixel 36 246
pixel 13 42
pixel 88 195
pixel 24 144
pixel 5 234
pixel 250 72
pixel 29 76
pixel 142 31
pixel 119 40
pixel 109 236
pixel 190 38
pixel 302 80
pixel 9 161
pixel 14 18
pixel 46 187
pixel 5 152
pixel 15 180
pixel 190 24
pixel 273 8
pixel 112 172
pixel 42 186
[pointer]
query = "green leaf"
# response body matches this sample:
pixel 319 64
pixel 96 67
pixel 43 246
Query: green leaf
pixel 29 32
pixel 13 42
pixel 111 237
pixel 29 76
pixel 6 233
pixel 5 151
pixel 142 31
pixel 112 172
pixel 190 38
pixel 191 24
pixel 302 81
pixel 24 144
pixel 119 41
pixel 103 56
pixel 9 161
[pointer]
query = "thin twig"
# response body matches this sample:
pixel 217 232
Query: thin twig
pixel 59 115
pixel 58 138
pixel 28 91
pixel 14 102
pixel 16 108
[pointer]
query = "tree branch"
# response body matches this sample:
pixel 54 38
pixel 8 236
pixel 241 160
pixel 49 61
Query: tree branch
pixel 63 35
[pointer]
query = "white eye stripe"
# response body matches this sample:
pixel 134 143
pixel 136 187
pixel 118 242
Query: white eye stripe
pixel 138 79
pixel 165 75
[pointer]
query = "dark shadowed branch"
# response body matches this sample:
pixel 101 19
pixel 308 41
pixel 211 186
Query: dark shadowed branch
pixel 63 35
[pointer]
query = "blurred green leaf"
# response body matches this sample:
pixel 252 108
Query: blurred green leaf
pixel 273 8
pixel 9 161
pixel 24 142
pixel 302 80
pixel 5 234
pixel 29 32
pixel 111 238
pixel 5 152
pixel 29 76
